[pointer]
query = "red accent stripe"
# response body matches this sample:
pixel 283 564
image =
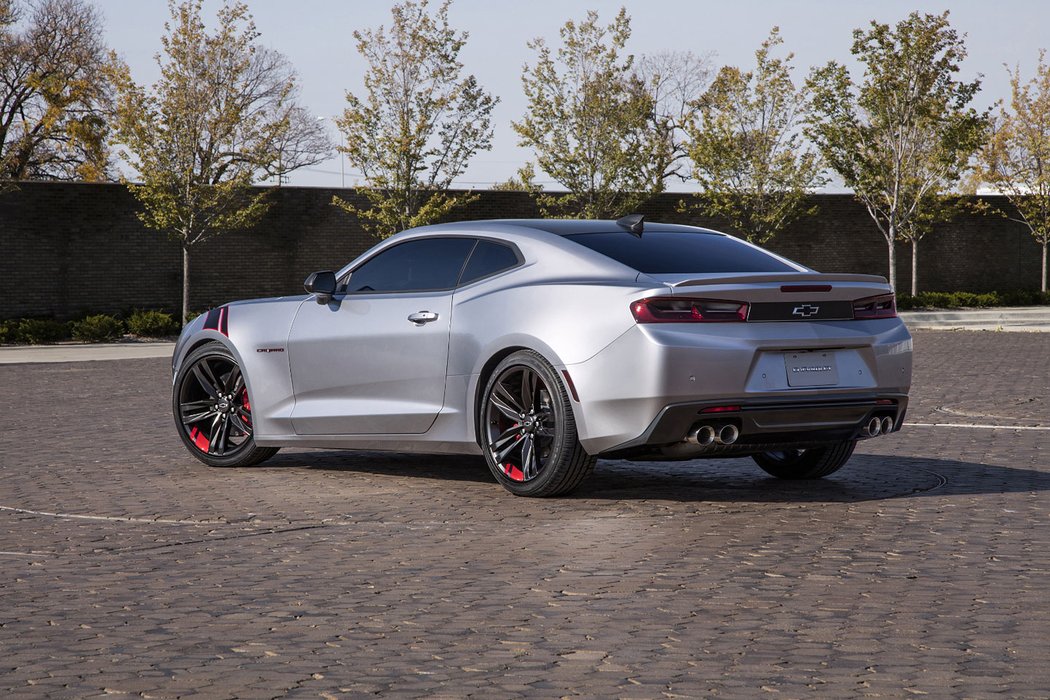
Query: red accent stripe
pixel 224 320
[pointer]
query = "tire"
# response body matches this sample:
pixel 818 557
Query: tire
pixel 814 463
pixel 212 409
pixel 528 431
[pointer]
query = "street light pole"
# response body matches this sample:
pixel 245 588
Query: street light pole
pixel 342 156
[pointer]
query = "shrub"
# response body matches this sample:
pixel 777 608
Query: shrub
pixel 40 331
pixel 8 330
pixel 152 324
pixel 961 300
pixel 1024 297
pixel 98 329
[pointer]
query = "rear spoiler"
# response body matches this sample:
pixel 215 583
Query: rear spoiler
pixel 784 278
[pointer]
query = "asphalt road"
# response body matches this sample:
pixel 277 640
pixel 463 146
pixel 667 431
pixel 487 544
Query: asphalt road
pixel 129 569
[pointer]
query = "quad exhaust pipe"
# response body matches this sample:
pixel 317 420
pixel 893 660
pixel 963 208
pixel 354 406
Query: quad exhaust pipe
pixel 727 434
pixel 707 435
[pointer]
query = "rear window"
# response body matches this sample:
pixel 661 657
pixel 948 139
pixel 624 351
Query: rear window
pixel 668 252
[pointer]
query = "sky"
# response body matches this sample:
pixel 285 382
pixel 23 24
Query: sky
pixel 317 36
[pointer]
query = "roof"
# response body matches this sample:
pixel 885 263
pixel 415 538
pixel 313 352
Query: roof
pixel 565 227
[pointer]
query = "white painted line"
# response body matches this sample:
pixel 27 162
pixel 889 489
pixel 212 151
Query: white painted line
pixel 113 518
pixel 976 426
pixel 22 554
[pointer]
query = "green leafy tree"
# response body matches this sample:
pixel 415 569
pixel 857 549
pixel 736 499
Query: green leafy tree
pixel 749 157
pixel 590 122
pixel 904 136
pixel 222 116
pixel 419 123
pixel 54 92
pixel 1016 158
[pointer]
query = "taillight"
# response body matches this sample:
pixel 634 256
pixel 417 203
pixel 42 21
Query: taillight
pixel 882 306
pixel 683 310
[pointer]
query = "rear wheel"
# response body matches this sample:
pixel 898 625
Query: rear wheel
pixel 528 431
pixel 213 412
pixel 813 463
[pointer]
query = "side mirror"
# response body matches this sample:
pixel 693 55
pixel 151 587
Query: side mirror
pixel 322 284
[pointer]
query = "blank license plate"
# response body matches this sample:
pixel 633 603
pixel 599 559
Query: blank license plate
pixel 811 368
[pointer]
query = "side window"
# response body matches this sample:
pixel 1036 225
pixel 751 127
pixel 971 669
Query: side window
pixel 487 259
pixel 414 266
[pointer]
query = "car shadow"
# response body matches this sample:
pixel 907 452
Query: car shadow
pixel 865 478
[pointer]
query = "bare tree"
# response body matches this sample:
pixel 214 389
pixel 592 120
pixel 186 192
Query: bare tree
pixel 54 95
pixel 676 79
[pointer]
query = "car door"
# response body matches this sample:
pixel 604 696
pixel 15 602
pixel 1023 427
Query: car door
pixel 373 361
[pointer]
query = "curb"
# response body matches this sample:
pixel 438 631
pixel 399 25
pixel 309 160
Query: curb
pixel 1019 319
pixel 72 352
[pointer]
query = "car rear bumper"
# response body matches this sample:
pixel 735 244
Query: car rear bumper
pixel 648 387
pixel 763 426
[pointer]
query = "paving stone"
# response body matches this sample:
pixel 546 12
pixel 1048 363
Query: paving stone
pixel 922 566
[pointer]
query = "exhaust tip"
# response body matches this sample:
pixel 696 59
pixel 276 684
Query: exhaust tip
pixel 728 434
pixel 874 427
pixel 887 425
pixel 703 435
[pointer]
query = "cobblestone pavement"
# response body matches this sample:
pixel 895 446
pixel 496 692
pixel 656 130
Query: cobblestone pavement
pixel 127 568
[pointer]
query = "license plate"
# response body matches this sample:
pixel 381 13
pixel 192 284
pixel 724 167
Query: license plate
pixel 811 368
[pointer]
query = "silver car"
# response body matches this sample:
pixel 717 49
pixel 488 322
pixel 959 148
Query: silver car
pixel 543 345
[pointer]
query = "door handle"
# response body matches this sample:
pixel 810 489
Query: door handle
pixel 421 317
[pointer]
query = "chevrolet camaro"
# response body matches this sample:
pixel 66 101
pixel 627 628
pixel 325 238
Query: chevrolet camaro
pixel 543 345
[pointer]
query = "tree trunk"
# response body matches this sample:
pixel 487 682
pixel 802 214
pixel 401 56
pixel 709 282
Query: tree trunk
pixel 1044 265
pixel 914 266
pixel 891 241
pixel 185 283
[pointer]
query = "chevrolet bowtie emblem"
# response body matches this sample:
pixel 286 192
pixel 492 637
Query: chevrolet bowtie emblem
pixel 805 310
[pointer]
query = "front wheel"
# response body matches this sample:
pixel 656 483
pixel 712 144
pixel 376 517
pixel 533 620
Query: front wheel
pixel 813 463
pixel 528 431
pixel 213 412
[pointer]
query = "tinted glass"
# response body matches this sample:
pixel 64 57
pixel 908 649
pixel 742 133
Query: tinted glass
pixel 488 258
pixel 663 252
pixel 414 266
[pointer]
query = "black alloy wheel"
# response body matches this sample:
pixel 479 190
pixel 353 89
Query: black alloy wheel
pixel 213 411
pixel 528 429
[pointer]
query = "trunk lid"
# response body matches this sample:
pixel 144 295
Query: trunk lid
pixel 786 296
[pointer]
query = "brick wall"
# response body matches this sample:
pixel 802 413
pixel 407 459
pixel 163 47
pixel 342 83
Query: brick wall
pixel 68 249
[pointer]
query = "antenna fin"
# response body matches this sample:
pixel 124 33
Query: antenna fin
pixel 633 223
